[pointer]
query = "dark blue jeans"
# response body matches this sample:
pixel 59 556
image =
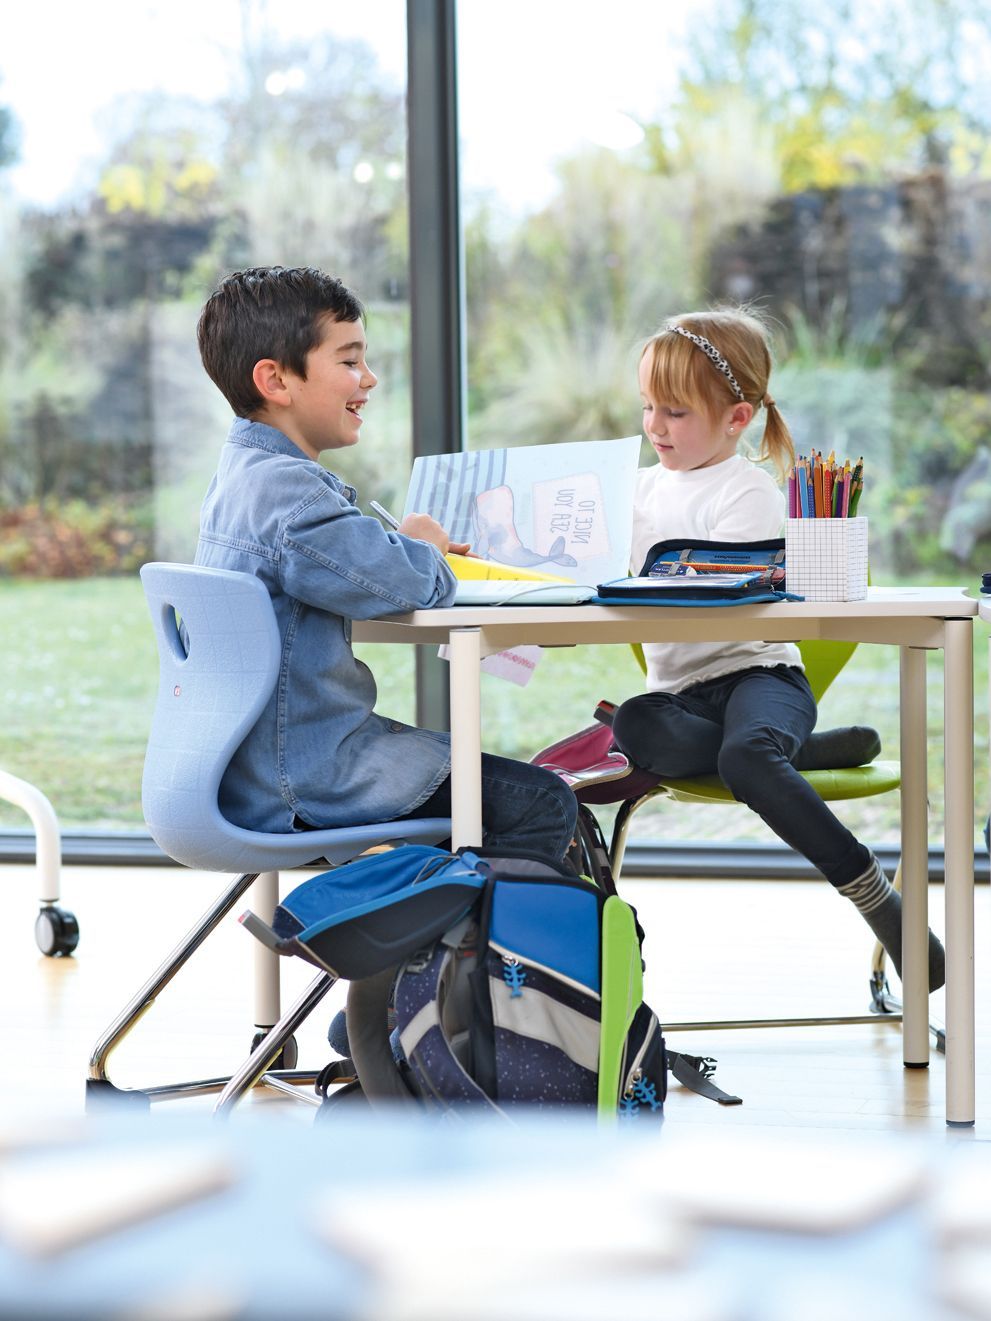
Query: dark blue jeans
pixel 524 808
pixel 747 727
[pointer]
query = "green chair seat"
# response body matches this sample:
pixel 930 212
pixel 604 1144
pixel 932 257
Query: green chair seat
pixel 880 777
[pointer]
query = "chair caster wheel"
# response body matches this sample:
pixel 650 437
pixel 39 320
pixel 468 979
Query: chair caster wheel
pixel 56 931
pixel 287 1056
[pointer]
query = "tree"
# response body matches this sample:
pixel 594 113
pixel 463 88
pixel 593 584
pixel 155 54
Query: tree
pixel 557 310
pixel 858 94
pixel 9 138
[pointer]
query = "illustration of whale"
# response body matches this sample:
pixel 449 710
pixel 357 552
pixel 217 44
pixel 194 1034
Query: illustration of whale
pixel 496 537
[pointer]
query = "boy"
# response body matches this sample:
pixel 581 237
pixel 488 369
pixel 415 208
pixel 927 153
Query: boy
pixel 286 347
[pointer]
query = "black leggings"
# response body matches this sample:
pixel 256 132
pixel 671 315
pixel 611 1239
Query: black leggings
pixel 747 727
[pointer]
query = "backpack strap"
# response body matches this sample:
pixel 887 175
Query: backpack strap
pixel 595 850
pixel 367 1016
pixel 695 1072
pixel 338 1073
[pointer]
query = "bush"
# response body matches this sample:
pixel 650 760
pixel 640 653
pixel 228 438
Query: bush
pixel 69 539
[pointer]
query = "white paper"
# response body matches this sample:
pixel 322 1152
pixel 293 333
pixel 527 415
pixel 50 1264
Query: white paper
pixel 541 1230
pixel 516 664
pixel 520 591
pixel 787 1183
pixel 51 1202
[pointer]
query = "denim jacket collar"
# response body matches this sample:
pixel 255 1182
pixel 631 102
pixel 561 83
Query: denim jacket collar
pixel 260 436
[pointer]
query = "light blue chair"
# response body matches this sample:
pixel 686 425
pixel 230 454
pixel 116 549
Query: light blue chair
pixel 210 694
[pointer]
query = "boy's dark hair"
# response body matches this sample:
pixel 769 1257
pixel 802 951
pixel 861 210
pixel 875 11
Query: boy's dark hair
pixel 267 312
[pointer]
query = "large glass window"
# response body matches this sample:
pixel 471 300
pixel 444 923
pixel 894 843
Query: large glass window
pixel 615 168
pixel 140 160
pixel 830 165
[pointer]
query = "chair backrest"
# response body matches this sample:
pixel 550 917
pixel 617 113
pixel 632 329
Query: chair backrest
pixel 216 674
pixel 208 699
pixel 822 657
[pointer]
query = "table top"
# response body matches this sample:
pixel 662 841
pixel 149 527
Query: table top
pixel 878 613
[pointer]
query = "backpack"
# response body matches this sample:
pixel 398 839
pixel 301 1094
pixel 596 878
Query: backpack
pixel 503 980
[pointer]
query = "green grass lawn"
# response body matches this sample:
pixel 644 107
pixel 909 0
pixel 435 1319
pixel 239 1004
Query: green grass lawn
pixel 78 678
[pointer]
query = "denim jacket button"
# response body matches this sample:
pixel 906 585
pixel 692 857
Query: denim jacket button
pixel 396 726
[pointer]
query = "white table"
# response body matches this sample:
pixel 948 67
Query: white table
pixel 914 619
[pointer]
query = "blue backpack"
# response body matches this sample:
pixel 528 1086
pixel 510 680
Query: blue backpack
pixel 501 981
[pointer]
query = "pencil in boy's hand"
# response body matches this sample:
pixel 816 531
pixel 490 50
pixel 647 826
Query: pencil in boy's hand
pixel 384 514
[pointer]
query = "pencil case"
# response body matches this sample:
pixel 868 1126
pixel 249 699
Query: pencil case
pixel 704 573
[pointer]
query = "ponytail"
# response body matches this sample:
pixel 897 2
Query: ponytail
pixel 776 444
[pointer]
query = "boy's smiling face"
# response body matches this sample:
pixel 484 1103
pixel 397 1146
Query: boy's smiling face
pixel 323 411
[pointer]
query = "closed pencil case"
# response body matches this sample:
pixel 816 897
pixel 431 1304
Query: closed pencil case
pixel 704 573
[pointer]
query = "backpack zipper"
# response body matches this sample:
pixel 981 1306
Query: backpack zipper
pixel 639 1090
pixel 509 957
pixel 514 975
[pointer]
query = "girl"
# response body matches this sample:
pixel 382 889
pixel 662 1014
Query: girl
pixel 743 709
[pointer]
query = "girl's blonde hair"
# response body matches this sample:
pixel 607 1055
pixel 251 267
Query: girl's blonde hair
pixel 682 372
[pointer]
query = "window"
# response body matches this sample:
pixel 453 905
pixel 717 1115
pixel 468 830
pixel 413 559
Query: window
pixel 191 140
pixel 614 169
pixel 835 170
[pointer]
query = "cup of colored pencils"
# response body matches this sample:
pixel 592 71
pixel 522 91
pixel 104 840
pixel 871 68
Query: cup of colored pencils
pixel 825 537
pixel 824 488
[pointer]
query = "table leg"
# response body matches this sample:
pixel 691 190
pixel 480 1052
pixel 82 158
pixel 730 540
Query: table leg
pixel 915 859
pixel 264 898
pixel 958 716
pixel 466 738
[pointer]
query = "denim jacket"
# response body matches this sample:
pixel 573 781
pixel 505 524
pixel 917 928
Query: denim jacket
pixel 319 752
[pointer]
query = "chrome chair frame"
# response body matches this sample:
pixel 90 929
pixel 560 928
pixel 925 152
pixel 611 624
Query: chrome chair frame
pixel 216 674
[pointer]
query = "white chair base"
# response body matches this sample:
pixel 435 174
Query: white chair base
pixel 56 930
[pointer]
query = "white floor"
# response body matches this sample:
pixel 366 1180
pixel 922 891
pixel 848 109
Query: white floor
pixel 714 950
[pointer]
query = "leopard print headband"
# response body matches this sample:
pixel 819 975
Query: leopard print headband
pixel 714 356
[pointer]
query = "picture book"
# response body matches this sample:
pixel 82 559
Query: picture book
pixel 564 510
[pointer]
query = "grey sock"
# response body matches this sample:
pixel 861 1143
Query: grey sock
pixel 833 749
pixel 881 904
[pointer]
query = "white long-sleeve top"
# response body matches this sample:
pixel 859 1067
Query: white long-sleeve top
pixel 731 501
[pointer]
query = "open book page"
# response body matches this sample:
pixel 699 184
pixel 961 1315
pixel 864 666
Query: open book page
pixel 557 509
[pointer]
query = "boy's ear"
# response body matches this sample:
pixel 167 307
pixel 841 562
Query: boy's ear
pixel 270 382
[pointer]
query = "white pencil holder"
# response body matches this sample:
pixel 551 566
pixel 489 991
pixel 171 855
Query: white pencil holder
pixel 826 558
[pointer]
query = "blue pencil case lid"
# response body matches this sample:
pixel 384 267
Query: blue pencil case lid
pixel 704 573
